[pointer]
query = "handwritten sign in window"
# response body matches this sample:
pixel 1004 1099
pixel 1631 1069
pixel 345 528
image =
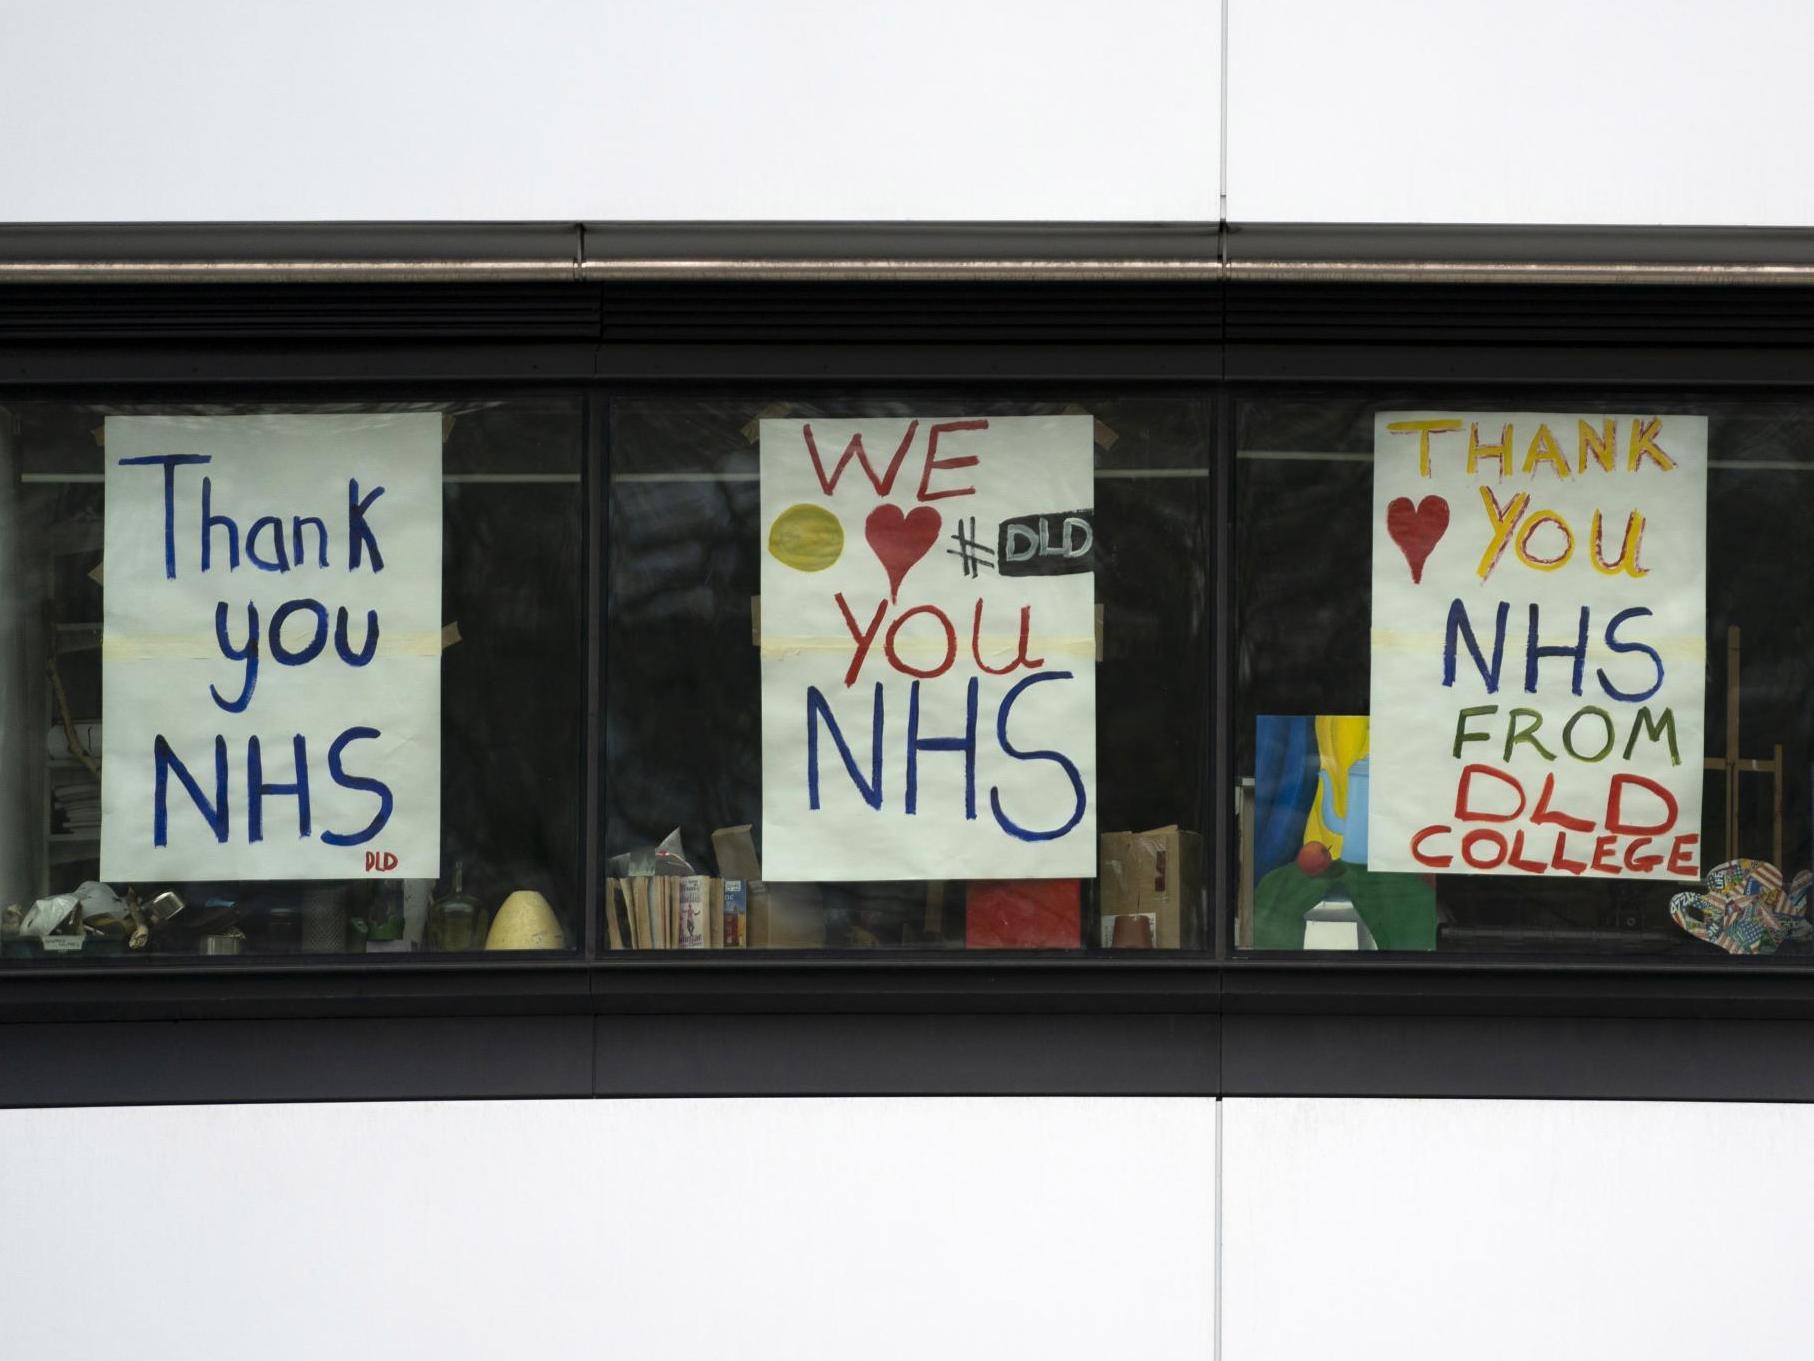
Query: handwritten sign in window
pixel 1539 643
pixel 928 648
pixel 271 679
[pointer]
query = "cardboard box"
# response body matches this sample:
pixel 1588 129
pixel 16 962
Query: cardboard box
pixel 1115 875
pixel 781 916
pixel 1158 872
pixel 786 916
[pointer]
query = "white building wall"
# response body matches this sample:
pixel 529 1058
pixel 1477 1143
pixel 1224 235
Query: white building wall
pixel 906 1228
pixel 116 110
pixel 1617 111
pixel 1634 112
pixel 1566 1230
pixel 887 1230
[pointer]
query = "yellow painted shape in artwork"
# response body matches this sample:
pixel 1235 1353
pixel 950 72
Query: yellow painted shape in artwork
pixel 1341 740
pixel 807 538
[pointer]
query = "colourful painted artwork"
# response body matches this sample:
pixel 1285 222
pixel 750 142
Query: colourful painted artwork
pixel 1313 887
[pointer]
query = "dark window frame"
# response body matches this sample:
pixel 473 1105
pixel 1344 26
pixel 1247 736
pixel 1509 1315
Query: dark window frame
pixel 812 1022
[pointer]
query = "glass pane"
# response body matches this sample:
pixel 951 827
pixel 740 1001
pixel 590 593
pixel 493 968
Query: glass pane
pixel 1606 757
pixel 221 690
pixel 685 674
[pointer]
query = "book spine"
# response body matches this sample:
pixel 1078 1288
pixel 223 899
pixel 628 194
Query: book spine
pixel 736 914
pixel 639 914
pixel 695 914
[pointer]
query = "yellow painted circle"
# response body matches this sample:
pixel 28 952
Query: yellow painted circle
pixel 807 538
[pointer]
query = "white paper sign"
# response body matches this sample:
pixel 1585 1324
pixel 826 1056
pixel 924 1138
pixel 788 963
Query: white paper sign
pixel 271 682
pixel 928 648
pixel 1539 643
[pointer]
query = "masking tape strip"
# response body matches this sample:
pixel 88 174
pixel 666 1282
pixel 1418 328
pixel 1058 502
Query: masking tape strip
pixel 200 647
pixel 994 646
pixel 989 647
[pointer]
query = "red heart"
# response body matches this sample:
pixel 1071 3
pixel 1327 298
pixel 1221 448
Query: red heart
pixel 1417 531
pixel 900 540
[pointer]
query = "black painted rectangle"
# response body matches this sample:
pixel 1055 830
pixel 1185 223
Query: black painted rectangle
pixel 1053 543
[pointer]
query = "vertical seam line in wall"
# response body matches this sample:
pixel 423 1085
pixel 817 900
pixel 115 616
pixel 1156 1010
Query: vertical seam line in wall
pixel 1216 1301
pixel 1222 124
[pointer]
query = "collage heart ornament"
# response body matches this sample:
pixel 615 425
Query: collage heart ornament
pixel 900 540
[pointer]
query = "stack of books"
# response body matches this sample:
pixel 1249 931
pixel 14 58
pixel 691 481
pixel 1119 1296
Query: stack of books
pixel 677 912
pixel 75 797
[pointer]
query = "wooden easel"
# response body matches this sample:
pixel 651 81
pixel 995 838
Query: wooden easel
pixel 1733 765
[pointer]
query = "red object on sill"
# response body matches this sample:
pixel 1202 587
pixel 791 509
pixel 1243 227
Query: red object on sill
pixel 1023 914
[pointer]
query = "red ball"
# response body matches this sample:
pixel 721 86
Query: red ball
pixel 1314 859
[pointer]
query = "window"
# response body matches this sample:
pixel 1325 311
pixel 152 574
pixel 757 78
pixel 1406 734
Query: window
pixel 1617 758
pixel 896 842
pixel 291 678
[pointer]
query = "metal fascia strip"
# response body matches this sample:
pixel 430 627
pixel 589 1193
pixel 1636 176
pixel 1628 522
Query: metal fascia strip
pixel 1515 272
pixel 876 270
pixel 879 270
pixel 826 270
pixel 285 271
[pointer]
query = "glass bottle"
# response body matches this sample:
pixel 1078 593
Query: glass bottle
pixel 458 921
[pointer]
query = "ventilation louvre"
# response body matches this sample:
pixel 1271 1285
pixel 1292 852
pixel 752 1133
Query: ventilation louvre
pixel 1583 314
pixel 50 313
